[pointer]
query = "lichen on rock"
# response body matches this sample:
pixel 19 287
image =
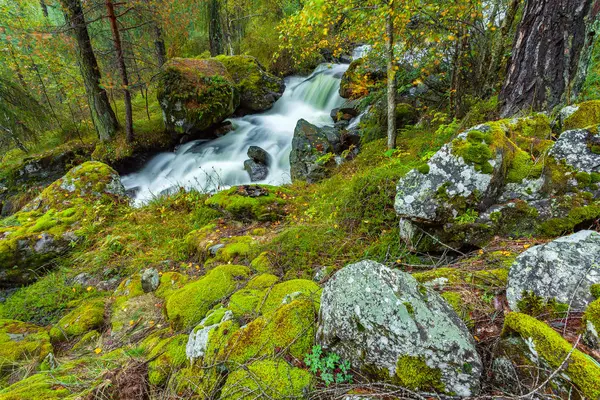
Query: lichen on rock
pixel 376 318
pixel 563 270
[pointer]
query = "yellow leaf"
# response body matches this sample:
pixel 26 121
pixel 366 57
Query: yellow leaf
pixel 98 350
pixel 89 288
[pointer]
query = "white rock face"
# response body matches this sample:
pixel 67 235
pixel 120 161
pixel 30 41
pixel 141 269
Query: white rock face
pixel 198 340
pixel 563 270
pixel 417 197
pixel 572 146
pixel 373 316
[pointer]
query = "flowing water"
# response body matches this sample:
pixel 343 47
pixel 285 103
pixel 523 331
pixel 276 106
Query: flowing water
pixel 217 164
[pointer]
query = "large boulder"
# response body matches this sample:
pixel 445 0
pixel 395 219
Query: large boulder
pixel 504 178
pixel 48 225
pixel 562 270
pixel 195 95
pixel 258 89
pixel 313 150
pixel 390 326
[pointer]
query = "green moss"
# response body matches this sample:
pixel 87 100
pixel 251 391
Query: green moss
pixel 459 306
pixel 170 282
pixel 198 92
pixel 88 316
pixel 476 150
pixel 413 373
pixel 559 226
pixel 494 277
pixel 234 201
pixel 22 344
pixel 276 378
pixel 262 281
pixel 252 81
pixel 38 386
pixel 592 316
pixel 44 302
pixel 237 249
pixel 588 114
pixel 276 295
pixel 245 302
pixel 289 329
pixel 424 169
pixel 188 305
pixel 583 371
pixel 262 264
pixel 595 290
pixel 523 167
pixel 167 356
pixel 536 306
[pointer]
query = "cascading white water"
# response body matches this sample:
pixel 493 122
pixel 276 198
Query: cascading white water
pixel 214 165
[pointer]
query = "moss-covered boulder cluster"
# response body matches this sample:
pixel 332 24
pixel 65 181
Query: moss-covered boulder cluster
pixel 198 94
pixel 506 177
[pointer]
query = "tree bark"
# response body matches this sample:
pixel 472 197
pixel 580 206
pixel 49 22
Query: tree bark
pixel 547 54
pixel 500 47
pixel 215 28
pixel 391 80
pixel 110 8
pixel 103 116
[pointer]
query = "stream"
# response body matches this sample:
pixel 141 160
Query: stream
pixel 214 165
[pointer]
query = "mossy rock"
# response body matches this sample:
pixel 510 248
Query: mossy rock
pixel 235 250
pixel 289 290
pixel 196 94
pixel 276 378
pixel 167 357
pixel 581 369
pixel 87 317
pixel 591 321
pixel 290 329
pixel 258 89
pixel 581 116
pixel 48 226
pixel 262 264
pixel 248 203
pixel 245 302
pixel 169 283
pixel 262 281
pixel 22 344
pixel 188 305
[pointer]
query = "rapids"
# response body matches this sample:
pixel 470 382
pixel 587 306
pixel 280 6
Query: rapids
pixel 214 165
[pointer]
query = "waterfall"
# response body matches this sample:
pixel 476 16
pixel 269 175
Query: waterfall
pixel 214 165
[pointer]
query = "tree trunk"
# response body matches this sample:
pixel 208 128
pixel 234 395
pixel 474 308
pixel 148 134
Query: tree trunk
pixel 391 80
pixel 215 28
pixel 103 117
pixel 122 69
pixel 547 55
pixel 500 47
pixel 159 44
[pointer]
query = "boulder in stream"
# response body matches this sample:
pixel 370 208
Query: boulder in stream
pixel 196 95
